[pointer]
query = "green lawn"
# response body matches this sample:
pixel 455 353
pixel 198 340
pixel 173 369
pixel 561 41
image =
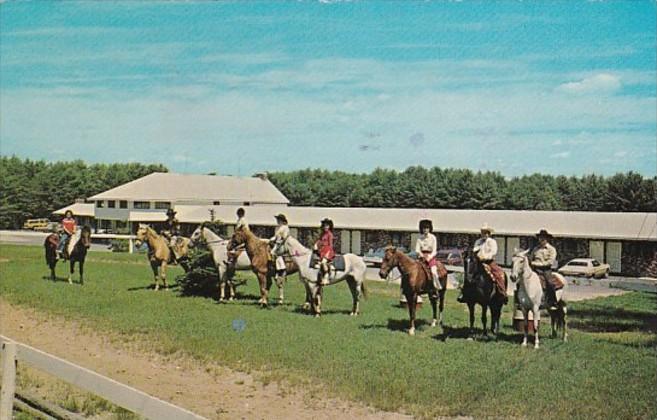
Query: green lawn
pixel 607 370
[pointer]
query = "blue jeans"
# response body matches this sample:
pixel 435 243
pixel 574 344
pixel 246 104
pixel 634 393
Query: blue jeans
pixel 62 240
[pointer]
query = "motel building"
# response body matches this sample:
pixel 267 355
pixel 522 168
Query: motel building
pixel 626 241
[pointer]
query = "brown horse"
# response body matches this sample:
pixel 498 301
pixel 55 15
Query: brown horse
pixel 415 281
pixel 77 254
pixel 262 264
pixel 160 255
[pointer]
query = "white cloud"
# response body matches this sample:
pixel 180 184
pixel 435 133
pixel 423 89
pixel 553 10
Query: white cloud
pixel 599 83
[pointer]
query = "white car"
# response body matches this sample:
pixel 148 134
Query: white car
pixel 587 267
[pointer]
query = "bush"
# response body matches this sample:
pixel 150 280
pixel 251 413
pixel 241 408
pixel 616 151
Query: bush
pixel 201 280
pixel 119 245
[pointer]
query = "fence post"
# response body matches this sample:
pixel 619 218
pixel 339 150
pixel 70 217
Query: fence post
pixel 8 379
pixel 131 246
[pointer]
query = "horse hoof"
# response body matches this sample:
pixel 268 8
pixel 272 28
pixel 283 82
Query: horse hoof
pixel 411 331
pixel 433 323
pixel 524 344
pixel 536 347
pixel 470 338
pixel 317 315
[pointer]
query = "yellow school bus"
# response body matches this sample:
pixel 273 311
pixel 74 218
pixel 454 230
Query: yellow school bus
pixel 36 224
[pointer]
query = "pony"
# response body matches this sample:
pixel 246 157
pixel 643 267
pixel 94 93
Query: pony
pixel 415 281
pixel 479 289
pixel 77 251
pixel 159 254
pixel 259 253
pixel 530 296
pixel 353 273
pixel 220 256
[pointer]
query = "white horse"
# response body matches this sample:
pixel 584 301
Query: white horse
pixel 354 274
pixel 218 248
pixel 530 295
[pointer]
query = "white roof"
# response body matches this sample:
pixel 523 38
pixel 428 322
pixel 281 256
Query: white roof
pixel 147 216
pixel 78 209
pixel 190 188
pixel 593 225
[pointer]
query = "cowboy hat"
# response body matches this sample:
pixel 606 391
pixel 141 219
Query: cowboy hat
pixel 486 228
pixel 328 222
pixel 171 212
pixel 281 217
pixel 425 223
pixel 543 234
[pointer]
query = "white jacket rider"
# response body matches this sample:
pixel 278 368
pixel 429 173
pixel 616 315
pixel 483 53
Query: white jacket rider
pixel 427 247
pixel 280 236
pixel 485 248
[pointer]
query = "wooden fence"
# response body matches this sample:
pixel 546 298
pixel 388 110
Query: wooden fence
pixel 122 395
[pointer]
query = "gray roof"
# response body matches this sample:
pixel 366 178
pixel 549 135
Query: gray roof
pixel 172 187
pixel 627 226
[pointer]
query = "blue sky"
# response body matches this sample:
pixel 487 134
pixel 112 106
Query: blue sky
pixel 235 88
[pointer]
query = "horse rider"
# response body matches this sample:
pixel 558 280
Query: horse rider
pixel 69 226
pixel 280 236
pixel 171 229
pixel 485 250
pixel 324 246
pixel 426 248
pixel 542 257
pixel 241 220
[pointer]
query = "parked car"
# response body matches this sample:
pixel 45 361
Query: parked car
pixel 374 257
pixel 450 256
pixel 36 224
pixel 587 267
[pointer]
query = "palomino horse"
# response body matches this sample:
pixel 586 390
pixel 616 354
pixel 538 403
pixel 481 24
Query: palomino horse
pixel 159 253
pixel 219 250
pixel 259 253
pixel 76 250
pixel 530 295
pixel 353 272
pixel 414 281
pixel 479 289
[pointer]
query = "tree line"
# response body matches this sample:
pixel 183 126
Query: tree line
pixel 34 189
pixel 419 187
pixel 31 189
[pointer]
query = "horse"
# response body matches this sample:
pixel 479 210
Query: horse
pixel 220 256
pixel 259 253
pixel 479 289
pixel 76 250
pixel 160 254
pixel 530 296
pixel 414 282
pixel 353 273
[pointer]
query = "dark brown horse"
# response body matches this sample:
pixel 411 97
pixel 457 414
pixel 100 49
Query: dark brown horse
pixel 415 281
pixel 262 264
pixel 77 254
pixel 479 289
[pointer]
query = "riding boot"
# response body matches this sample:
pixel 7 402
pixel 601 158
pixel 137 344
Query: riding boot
pixel 436 283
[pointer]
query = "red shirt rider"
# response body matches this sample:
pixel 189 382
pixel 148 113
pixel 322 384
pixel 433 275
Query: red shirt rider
pixel 325 242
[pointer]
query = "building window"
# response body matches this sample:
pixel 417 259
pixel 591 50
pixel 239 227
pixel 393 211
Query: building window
pixel 246 203
pixel 216 203
pixel 111 204
pixel 162 205
pixel 100 204
pixel 142 205
pixel 123 204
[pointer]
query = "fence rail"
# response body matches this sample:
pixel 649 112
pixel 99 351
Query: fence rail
pixel 123 395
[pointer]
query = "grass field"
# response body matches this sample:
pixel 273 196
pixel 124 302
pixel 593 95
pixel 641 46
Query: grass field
pixel 607 370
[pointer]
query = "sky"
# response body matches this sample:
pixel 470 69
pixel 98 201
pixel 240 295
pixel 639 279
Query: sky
pixel 518 87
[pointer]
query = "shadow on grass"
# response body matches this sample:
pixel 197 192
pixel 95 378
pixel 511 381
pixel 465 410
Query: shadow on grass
pixel 152 287
pixel 611 320
pixel 56 280
pixel 397 325
pixel 463 333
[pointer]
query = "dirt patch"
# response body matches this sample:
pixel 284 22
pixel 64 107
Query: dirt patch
pixel 208 389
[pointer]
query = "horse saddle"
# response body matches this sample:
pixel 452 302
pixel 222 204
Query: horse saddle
pixel 338 262
pixel 555 281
